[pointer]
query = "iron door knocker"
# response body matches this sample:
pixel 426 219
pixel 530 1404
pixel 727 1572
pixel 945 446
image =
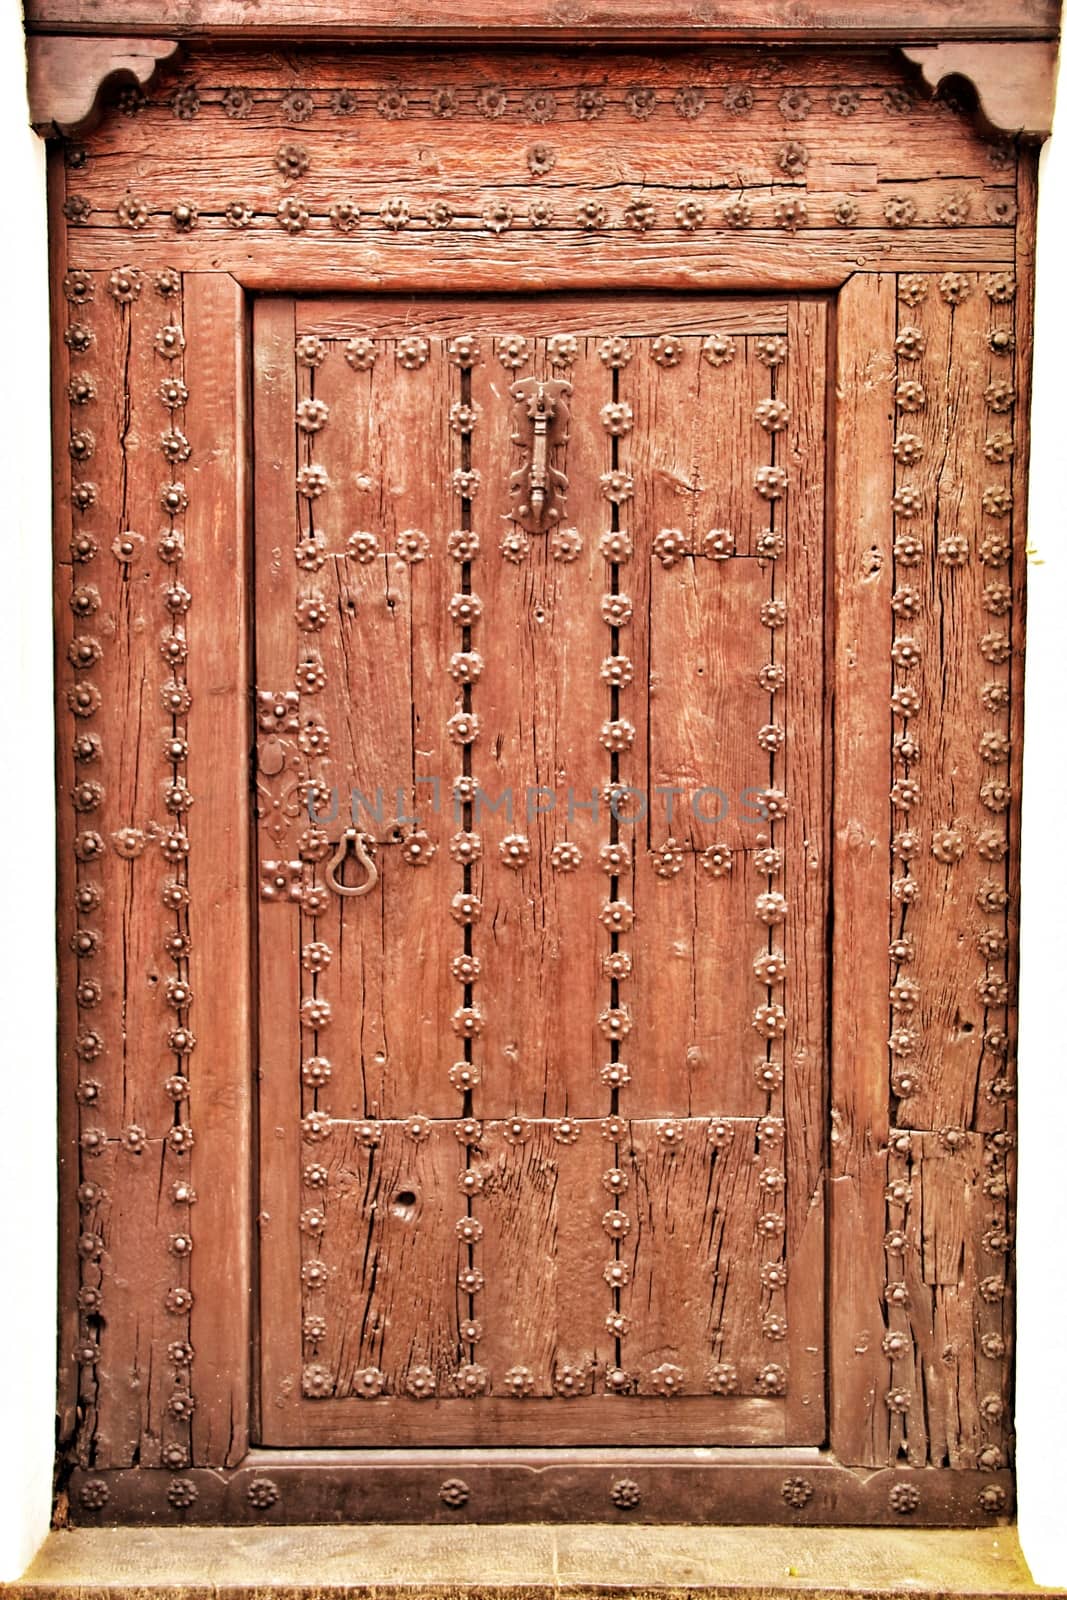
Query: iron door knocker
pixel 359 842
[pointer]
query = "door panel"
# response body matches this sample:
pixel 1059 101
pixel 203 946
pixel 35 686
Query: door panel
pixel 533 1103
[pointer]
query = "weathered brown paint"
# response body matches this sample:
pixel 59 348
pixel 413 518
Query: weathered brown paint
pixel 898 1100
pixel 613 19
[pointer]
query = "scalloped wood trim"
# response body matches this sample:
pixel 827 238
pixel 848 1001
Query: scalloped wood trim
pixel 67 74
pixel 1015 83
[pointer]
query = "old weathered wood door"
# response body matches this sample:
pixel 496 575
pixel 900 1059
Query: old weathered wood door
pixel 454 426
pixel 540 794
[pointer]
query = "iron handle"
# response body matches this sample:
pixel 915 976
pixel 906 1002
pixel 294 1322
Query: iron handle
pixel 359 842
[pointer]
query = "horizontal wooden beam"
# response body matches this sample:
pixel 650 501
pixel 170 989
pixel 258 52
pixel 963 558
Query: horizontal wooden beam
pixel 799 1488
pixel 573 21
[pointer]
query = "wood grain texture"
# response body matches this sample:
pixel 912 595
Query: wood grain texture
pixel 695 992
pixel 694 1297
pixel 805 835
pixel 1015 89
pixel 666 20
pixel 707 650
pixel 766 259
pixel 543 642
pixel 541 1013
pixel 389 1237
pixel 65 76
pixel 220 1100
pixel 946 1401
pixel 1022 551
pixel 952 868
pixel 550 1026
pixel 279 970
pixel 949 1040
pixel 808 174
pixel 619 154
pixel 391 1214
pixel 863 423
pixel 119 614
pixel 417 503
pixel 690 1042
pixel 69 1112
pixel 444 317
pixel 360 702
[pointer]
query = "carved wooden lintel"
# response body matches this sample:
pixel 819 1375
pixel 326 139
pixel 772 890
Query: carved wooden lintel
pixel 66 75
pixel 618 21
pixel 1014 83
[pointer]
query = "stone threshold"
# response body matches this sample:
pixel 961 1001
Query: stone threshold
pixel 527 1562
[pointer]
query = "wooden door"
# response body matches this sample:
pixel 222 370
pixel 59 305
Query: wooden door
pixel 542 869
pixel 819 178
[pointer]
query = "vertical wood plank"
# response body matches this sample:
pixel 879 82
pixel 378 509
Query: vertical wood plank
pixel 504 577
pixel 220 1108
pixel 389 1245
pixel 69 1112
pixel 693 1299
pixel 416 497
pixel 1000 630
pixel 939 1409
pixel 97 610
pixel 695 992
pixel 365 709
pixel 147 797
pixel 538 701
pixel 863 434
pixel 994 644
pixel 659 471
pixel 278 959
pixel 146 785
pixel 539 1186
pixel 1024 342
pixel 115 618
pixel 706 701
pixel 941 833
pixel 135 1380
pixel 573 704
pixel 733 382
pixel 806 779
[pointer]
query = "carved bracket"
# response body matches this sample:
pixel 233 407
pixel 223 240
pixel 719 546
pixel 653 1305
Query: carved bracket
pixel 1014 82
pixel 67 73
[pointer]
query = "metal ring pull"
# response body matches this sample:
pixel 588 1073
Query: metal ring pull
pixel 359 841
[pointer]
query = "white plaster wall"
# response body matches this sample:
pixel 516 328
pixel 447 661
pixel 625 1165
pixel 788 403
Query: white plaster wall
pixel 27 877
pixel 1041 1392
pixel 27 986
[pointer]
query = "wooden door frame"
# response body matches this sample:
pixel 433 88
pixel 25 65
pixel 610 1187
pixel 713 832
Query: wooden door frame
pixel 838 1483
